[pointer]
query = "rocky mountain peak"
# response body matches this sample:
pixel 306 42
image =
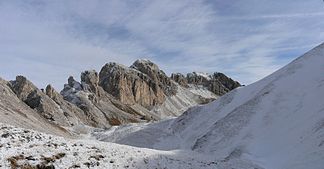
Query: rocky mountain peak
pixel 90 81
pixel 197 78
pixel 50 91
pixel 22 87
pixel 130 86
pixel 73 83
pixel 146 66
pixel 142 83
pixel 218 83
pixel 228 82
pixel 156 74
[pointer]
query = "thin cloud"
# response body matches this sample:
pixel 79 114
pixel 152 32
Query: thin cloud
pixel 50 40
pixel 283 16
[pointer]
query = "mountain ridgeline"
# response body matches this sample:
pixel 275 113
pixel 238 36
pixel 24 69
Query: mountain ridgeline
pixel 116 95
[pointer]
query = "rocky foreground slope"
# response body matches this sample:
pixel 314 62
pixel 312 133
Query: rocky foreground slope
pixel 276 123
pixel 114 96
pixel 27 149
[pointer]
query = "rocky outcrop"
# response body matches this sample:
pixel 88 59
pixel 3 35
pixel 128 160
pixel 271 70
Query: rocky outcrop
pixel 51 106
pixel 229 83
pixel 180 79
pixel 13 111
pixel 217 83
pixel 143 83
pixel 198 78
pixel 158 76
pixel 90 81
pixel 100 107
pixel 141 92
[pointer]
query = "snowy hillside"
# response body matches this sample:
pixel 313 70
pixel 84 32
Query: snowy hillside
pixel 27 149
pixel 185 98
pixel 277 122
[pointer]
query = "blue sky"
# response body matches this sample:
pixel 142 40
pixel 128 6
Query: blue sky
pixel 47 41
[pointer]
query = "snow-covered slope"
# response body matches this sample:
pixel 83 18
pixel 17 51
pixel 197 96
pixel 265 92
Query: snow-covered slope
pixel 277 122
pixel 28 149
pixel 185 98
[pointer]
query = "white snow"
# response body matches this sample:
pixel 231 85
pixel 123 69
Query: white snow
pixel 205 75
pixel 202 91
pixel 185 98
pixel 21 147
pixel 202 74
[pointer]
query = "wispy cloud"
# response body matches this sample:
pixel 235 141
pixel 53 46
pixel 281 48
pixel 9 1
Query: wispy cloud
pixel 50 40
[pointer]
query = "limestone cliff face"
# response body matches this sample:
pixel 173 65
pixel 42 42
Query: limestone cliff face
pixel 101 109
pixel 157 75
pixel 142 83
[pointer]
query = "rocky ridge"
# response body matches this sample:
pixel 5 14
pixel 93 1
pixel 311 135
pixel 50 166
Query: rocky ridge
pixel 114 96
pixel 217 83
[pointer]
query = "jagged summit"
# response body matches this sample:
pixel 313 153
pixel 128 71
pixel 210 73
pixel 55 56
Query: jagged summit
pixel 145 65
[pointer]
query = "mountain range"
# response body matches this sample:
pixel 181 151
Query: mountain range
pixel 126 117
pixel 116 95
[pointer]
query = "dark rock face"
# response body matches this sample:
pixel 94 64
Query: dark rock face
pixel 217 83
pixel 90 81
pixel 180 79
pixel 226 81
pixel 217 87
pixel 22 87
pixel 197 79
pixel 29 94
pixel 143 83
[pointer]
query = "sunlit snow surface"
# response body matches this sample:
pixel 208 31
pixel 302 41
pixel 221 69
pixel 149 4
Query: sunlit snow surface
pixel 21 148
